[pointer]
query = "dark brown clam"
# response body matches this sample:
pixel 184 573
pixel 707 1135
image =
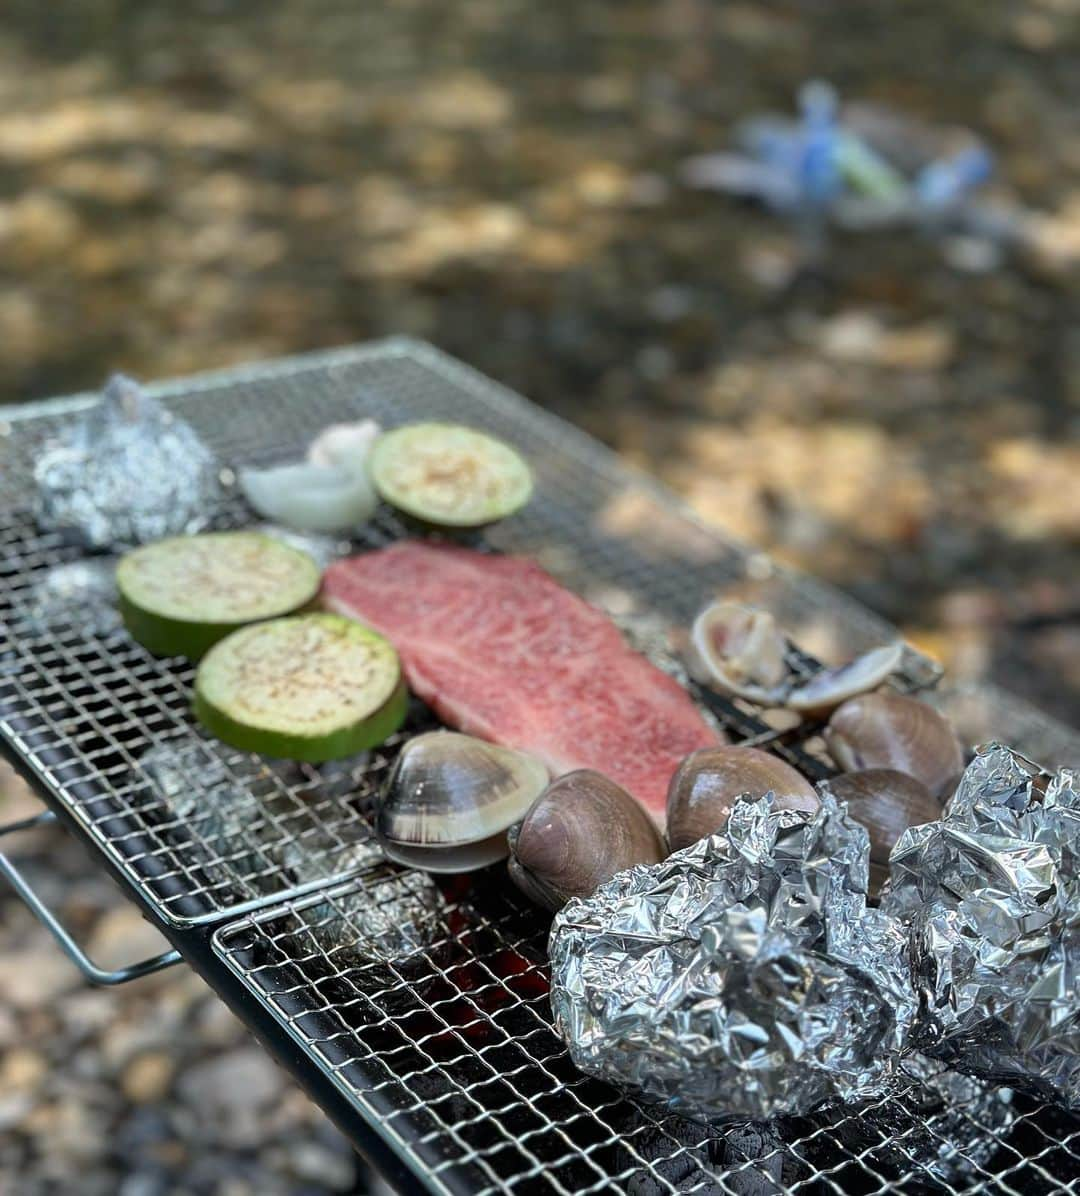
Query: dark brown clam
pixel 886 802
pixel 577 834
pixel 890 731
pixel 708 781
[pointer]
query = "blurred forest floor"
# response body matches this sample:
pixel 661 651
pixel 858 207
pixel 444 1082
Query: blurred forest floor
pixel 186 186
pixel 178 193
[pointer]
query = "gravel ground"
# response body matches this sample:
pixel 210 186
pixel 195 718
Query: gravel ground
pixel 154 1089
pixel 188 186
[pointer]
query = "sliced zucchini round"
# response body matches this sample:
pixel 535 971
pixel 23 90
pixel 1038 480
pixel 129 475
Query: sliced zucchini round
pixel 449 476
pixel 313 687
pixel 180 596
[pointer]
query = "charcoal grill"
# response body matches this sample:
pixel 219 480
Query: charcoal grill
pixel 417 1015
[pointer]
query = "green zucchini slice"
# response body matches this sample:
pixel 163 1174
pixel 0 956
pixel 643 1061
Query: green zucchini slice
pixel 180 596
pixel 314 687
pixel 449 476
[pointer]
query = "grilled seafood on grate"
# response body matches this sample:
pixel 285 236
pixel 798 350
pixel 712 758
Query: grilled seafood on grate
pixel 707 783
pixel 740 650
pixel 450 799
pixel 891 731
pixel 577 834
pixel 741 978
pixel 886 802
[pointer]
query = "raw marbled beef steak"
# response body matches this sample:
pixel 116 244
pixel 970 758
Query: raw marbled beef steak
pixel 500 650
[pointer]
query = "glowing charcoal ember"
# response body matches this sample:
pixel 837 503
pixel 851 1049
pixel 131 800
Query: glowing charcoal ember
pixel 125 472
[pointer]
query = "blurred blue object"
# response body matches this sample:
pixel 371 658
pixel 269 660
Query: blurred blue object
pixel 797 161
pixel 818 169
pixel 946 182
pixel 818 150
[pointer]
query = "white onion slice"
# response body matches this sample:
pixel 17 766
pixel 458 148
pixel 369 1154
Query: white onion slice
pixel 310 498
pixel 345 445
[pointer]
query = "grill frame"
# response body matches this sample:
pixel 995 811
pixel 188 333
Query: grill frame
pixel 378 1099
pixel 203 934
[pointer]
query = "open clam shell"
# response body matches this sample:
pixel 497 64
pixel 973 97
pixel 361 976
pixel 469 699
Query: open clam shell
pixel 707 783
pixel 832 687
pixel 741 651
pixel 450 798
pixel 577 834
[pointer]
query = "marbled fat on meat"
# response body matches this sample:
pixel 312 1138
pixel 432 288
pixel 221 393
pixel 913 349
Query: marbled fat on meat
pixel 500 650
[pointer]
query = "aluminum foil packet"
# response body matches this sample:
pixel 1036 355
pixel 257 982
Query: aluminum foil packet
pixel 125 472
pixel 744 976
pixel 992 896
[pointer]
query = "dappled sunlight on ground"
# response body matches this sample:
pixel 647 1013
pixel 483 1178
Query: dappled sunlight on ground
pixel 187 186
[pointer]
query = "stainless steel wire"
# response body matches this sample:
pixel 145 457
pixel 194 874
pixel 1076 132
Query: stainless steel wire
pixel 431 1017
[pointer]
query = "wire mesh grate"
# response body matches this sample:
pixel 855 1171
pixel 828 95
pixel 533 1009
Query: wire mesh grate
pixel 205 831
pixel 427 1004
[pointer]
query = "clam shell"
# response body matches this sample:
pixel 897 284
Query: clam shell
pixel 577 834
pixel 708 781
pixel 831 687
pixel 891 731
pixel 886 802
pixel 739 650
pixel 450 798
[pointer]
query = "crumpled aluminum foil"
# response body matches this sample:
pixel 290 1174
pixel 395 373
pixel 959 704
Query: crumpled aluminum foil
pixel 125 472
pixel 75 594
pixel 743 976
pixel 196 804
pixel 992 894
pixel 389 920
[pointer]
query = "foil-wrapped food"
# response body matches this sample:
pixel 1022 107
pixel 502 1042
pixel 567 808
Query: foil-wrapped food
pixel 742 977
pixel 125 472
pixel 992 895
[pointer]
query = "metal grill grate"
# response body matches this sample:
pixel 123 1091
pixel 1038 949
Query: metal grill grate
pixel 426 1006
pixel 100 721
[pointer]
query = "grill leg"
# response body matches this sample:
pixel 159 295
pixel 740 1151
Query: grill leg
pixel 52 924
